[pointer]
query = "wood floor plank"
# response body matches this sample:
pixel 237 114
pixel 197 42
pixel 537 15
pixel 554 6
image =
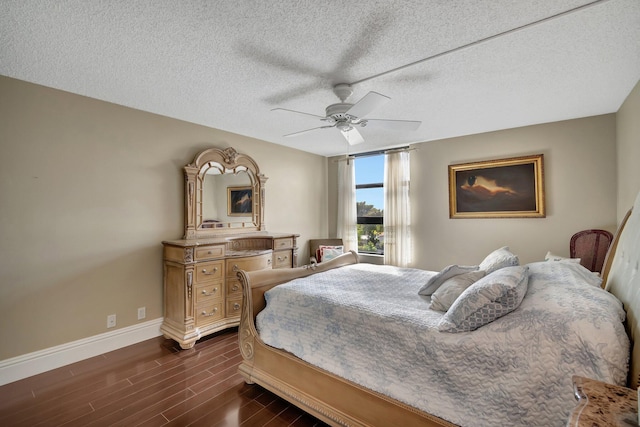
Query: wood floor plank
pixel 60 416
pixel 70 387
pixel 137 410
pixel 121 407
pixel 159 382
pixel 187 366
pixel 286 417
pixel 49 409
pixel 307 420
pixel 232 411
pixel 267 414
pixel 31 383
pixel 157 421
pixel 151 349
pixel 204 396
pixel 211 405
pixel 151 384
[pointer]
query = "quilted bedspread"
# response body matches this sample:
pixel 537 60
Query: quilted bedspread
pixel 367 323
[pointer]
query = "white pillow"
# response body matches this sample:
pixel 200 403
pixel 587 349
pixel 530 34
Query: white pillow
pixel 448 272
pixel 500 258
pixel 330 252
pixel 451 289
pixel 552 257
pixel 491 297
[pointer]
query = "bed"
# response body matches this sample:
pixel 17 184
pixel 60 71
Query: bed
pixel 489 384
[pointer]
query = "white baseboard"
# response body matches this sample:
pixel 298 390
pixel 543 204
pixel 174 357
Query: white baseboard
pixel 24 366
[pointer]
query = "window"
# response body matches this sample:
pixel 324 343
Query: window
pixel 370 203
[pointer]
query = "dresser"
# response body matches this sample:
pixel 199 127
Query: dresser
pixel 224 232
pixel 202 293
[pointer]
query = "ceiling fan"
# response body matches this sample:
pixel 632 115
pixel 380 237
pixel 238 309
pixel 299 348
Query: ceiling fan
pixel 347 117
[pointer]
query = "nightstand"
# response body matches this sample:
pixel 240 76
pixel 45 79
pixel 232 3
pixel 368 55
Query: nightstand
pixel 602 404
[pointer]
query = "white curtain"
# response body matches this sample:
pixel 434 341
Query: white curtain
pixel 397 209
pixel 347 216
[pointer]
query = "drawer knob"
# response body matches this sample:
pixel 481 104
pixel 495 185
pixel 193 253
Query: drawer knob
pixel 214 271
pixel 236 306
pixel 235 288
pixel 213 312
pixel 283 258
pixel 235 267
pixel 208 294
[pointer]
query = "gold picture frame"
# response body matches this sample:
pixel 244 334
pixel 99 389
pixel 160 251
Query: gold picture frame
pixel 503 188
pixel 239 201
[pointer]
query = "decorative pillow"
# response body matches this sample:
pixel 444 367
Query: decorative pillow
pixel 447 273
pixel 552 257
pixel 498 259
pixel 489 298
pixel 451 289
pixel 330 253
pixel 326 253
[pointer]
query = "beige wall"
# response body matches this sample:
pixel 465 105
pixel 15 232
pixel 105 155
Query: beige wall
pixel 89 189
pixel 580 191
pixel 628 143
pixel 580 184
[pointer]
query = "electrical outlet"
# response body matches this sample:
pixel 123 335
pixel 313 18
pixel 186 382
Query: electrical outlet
pixel 111 321
pixel 142 313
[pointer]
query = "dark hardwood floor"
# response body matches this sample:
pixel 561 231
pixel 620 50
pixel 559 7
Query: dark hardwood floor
pixel 152 383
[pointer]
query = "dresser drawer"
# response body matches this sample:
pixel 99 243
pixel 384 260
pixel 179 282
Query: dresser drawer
pixel 259 262
pixel 234 307
pixel 209 252
pixel 284 243
pixel 282 259
pixel 234 288
pixel 208 313
pixel 208 292
pixel 208 271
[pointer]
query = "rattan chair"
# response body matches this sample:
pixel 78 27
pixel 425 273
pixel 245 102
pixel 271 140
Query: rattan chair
pixel 591 247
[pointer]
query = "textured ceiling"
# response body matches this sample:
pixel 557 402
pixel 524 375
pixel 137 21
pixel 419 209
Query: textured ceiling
pixel 226 64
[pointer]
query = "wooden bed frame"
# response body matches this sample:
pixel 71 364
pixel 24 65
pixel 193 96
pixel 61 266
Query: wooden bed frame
pixel 339 402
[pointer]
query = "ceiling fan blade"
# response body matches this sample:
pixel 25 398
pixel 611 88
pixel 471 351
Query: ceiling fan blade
pixel 298 112
pixel 401 125
pixel 305 131
pixel 367 104
pixel 352 136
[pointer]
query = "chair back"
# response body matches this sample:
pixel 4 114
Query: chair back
pixel 591 247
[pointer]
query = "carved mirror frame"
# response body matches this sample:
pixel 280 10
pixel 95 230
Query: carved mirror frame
pixel 231 162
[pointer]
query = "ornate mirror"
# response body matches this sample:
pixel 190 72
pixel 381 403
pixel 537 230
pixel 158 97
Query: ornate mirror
pixel 224 193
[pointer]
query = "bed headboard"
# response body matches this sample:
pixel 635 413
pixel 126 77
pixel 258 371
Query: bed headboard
pixel 622 279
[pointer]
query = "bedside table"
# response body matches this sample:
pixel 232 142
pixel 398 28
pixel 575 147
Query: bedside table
pixel 602 404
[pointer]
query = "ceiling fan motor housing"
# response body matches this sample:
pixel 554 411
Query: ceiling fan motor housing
pixel 344 121
pixel 338 110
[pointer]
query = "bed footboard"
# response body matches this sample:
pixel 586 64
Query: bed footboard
pixel 256 283
pixel 335 401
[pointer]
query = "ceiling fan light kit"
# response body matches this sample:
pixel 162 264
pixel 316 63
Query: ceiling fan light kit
pixel 346 116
